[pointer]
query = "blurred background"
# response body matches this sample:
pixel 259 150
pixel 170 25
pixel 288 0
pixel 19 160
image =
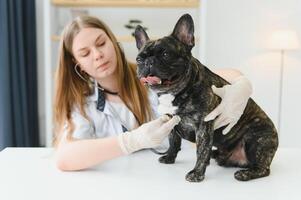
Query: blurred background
pixel 259 38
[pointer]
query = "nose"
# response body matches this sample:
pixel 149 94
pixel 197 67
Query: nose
pixel 149 62
pixel 98 54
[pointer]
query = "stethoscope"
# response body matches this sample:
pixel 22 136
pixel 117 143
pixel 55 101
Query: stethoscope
pixel 98 86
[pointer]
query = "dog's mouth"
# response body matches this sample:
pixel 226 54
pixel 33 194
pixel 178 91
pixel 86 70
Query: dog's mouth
pixel 154 80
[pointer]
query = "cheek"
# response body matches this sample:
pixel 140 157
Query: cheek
pixel 85 64
pixel 110 50
pixel 113 56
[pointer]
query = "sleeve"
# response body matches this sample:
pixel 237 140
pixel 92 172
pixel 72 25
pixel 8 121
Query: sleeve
pixel 154 103
pixel 83 128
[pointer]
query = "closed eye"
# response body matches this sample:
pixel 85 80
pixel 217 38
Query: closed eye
pixel 100 40
pixel 85 54
pixel 99 44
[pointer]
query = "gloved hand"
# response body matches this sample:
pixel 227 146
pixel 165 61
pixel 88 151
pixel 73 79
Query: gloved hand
pixel 148 135
pixel 234 100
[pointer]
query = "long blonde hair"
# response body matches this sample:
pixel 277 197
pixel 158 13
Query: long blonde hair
pixel 72 91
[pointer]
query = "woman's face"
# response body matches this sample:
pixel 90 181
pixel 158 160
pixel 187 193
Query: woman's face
pixel 95 53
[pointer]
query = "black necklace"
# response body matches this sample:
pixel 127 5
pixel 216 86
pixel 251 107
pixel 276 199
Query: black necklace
pixel 106 91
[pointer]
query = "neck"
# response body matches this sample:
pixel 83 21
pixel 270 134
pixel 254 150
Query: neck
pixel 192 76
pixel 109 84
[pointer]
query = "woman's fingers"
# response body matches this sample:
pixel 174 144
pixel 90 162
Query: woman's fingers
pixel 213 114
pixel 228 128
pixel 169 125
pixel 220 122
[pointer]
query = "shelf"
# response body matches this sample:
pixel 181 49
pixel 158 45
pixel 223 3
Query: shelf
pixel 134 3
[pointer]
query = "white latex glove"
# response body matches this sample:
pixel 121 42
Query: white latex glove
pixel 148 135
pixel 234 100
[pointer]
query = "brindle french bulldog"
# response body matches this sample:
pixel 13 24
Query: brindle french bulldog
pixel 168 67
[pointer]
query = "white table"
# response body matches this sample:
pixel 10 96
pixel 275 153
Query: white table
pixel 30 173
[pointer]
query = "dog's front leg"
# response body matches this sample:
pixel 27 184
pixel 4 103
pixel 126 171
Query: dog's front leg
pixel 174 148
pixel 204 141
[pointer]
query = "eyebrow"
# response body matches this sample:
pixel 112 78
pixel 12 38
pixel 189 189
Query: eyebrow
pixel 100 36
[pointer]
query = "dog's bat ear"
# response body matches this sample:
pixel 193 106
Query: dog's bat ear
pixel 140 36
pixel 184 30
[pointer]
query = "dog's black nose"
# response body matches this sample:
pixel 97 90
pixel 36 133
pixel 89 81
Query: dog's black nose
pixel 149 62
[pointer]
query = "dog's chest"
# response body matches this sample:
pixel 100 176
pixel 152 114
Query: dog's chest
pixel 187 124
pixel 165 104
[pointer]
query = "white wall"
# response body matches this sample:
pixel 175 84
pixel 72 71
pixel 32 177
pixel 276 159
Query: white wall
pixel 45 77
pixel 235 33
pixel 40 63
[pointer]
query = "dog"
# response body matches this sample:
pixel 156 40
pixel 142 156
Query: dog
pixel 167 66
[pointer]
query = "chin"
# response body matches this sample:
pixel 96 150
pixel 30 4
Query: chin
pixel 106 72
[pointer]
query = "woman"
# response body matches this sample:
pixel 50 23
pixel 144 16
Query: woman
pixel 102 111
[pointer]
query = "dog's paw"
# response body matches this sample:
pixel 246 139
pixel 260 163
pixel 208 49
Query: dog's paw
pixel 248 174
pixel 167 159
pixel 194 176
pixel 242 175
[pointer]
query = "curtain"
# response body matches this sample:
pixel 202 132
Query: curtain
pixel 18 74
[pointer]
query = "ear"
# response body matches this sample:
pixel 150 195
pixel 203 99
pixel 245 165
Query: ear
pixel 140 36
pixel 184 30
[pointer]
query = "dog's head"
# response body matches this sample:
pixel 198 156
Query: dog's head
pixel 163 63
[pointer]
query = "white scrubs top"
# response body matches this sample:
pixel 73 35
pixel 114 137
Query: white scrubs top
pixel 106 118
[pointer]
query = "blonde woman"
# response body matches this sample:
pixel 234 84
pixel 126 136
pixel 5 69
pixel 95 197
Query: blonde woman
pixel 102 111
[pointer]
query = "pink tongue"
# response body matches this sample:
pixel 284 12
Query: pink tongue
pixel 151 80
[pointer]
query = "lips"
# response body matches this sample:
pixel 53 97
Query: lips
pixel 104 65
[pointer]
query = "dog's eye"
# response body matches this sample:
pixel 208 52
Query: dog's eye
pixel 165 54
pixel 139 59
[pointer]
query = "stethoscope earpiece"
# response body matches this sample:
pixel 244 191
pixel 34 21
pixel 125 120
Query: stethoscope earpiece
pixel 75 69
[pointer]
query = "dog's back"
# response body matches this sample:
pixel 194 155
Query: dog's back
pixel 253 127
